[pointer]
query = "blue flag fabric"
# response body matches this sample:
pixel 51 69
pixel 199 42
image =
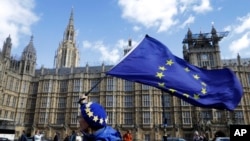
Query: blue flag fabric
pixel 152 63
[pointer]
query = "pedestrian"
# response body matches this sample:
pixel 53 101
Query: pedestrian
pixel 93 123
pixel 56 137
pixel 197 137
pixel 38 136
pixel 66 138
pixel 78 137
pixel 73 136
pixel 23 136
pixel 127 136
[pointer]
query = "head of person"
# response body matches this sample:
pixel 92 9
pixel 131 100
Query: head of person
pixel 196 133
pixel 93 116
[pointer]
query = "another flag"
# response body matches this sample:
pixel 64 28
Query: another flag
pixel 151 63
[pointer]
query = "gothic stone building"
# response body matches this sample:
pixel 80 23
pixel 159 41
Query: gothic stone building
pixel 46 98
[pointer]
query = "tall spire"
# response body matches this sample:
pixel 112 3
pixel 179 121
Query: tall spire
pixel 69 34
pixel 71 19
pixel 67 53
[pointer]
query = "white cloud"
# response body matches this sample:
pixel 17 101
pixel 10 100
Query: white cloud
pixel 121 44
pixel 240 36
pixel 109 54
pixel 106 53
pixel 228 28
pixel 185 5
pixel 162 14
pixel 188 21
pixel 136 28
pixel 157 13
pixel 86 44
pixel 203 7
pixel 240 44
pixel 16 19
pixel 244 24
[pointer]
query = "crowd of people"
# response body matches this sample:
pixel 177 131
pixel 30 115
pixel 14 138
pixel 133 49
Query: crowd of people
pixel 37 136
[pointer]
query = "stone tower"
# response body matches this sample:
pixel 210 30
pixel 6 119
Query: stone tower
pixel 129 47
pixel 28 59
pixel 67 54
pixel 6 51
pixel 203 49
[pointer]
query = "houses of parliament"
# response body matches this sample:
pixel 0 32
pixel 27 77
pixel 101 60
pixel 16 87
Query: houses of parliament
pixel 47 98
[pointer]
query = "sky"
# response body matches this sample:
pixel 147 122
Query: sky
pixel 103 27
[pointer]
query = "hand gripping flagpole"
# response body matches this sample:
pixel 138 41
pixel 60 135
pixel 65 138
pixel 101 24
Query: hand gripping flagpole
pixel 87 93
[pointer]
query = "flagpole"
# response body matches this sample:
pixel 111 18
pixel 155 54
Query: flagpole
pixel 88 92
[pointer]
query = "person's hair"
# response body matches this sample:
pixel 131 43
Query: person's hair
pixel 196 133
pixel 37 131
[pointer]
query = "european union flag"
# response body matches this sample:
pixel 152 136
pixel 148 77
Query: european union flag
pixel 151 63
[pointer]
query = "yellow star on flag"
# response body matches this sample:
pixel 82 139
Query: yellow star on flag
pixel 186 95
pixel 170 62
pixel 196 96
pixel 203 84
pixel 162 68
pixel 159 74
pixel 187 69
pixel 172 90
pixel 196 76
pixel 161 84
pixel 204 91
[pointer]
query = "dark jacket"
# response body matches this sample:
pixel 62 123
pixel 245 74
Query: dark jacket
pixel 23 138
pixel 67 138
pixel 73 137
pixel 56 138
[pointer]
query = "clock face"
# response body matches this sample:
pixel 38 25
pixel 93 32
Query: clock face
pixel 204 56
